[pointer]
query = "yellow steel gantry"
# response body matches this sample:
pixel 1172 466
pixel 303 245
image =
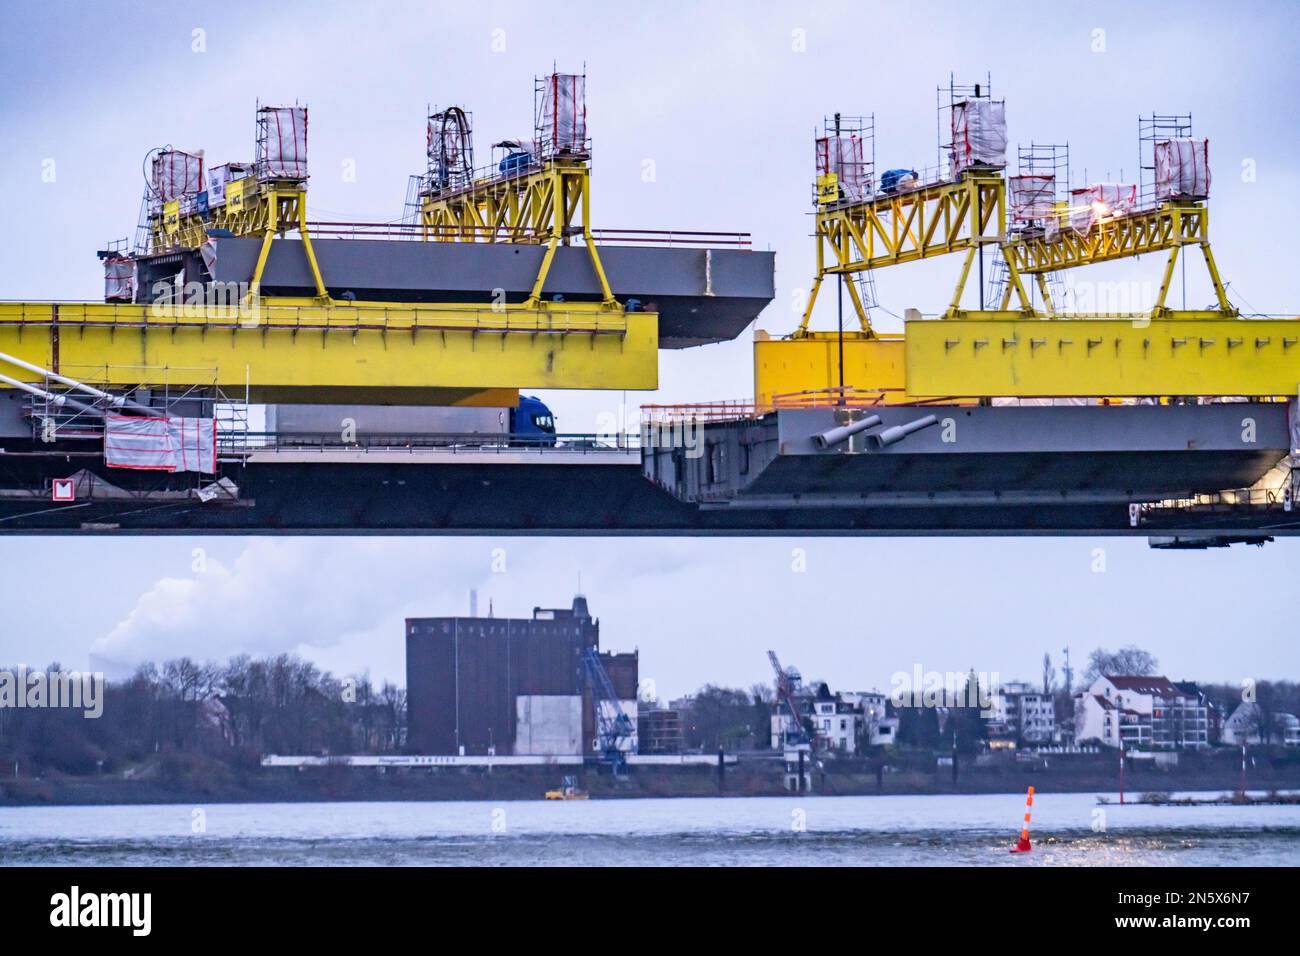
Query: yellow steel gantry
pixel 317 349
pixel 252 208
pixel 1169 227
pixel 907 226
pixel 1005 352
pixel 543 202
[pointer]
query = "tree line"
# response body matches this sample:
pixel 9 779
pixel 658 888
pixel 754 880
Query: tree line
pixel 235 712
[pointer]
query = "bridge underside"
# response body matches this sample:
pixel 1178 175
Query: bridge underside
pixel 541 500
pixel 1009 471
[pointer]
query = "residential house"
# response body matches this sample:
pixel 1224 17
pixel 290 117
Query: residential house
pixel 1245 725
pixel 1141 713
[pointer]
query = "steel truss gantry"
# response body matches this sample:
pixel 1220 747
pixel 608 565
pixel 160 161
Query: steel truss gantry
pixel 907 226
pixel 252 208
pixel 1168 227
pixel 541 203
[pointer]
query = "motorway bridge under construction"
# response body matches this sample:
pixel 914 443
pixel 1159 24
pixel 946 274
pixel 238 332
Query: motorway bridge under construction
pixel 404 347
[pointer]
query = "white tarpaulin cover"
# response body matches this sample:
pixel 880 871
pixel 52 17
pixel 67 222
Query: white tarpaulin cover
pixel 219 176
pixel 1032 197
pixel 176 174
pixel 283 142
pixel 166 443
pixel 564 114
pixel 1183 169
pixel 119 279
pixel 1101 201
pixel 844 156
pixel 979 134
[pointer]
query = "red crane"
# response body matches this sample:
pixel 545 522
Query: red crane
pixel 785 695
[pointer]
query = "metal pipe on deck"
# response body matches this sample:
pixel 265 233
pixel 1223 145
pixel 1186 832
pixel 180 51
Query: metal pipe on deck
pixel 834 436
pixel 60 400
pixel 116 401
pixel 896 434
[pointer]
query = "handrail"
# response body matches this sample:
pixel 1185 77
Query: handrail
pixel 242 442
pixel 339 316
pixel 324 229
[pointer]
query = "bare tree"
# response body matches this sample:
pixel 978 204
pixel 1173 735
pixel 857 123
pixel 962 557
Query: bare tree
pixel 1128 661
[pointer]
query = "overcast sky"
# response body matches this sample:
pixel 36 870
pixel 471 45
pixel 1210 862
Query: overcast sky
pixel 721 100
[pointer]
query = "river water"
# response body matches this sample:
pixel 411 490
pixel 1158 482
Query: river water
pixel 1068 829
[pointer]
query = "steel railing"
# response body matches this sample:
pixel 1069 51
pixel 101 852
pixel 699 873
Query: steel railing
pixel 690 238
pixel 432 442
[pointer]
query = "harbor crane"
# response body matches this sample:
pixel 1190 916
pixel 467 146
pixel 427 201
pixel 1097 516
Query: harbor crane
pixel 613 725
pixel 785 696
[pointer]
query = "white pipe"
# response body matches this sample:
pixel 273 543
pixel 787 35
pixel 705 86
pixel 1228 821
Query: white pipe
pixel 117 401
pixel 59 400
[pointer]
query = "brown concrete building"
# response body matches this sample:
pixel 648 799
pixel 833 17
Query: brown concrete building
pixel 482 685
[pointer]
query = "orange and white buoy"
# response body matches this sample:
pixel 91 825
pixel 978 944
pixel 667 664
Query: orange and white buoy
pixel 1023 845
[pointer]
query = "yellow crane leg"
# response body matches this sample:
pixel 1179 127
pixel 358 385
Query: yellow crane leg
pixel 1165 280
pixel 1013 282
pixel 955 305
pixel 606 294
pixel 321 292
pixel 1220 292
pixel 354 349
pixel 1048 305
pixel 808 309
pixel 864 321
pixel 255 287
pixel 1089 357
pixel 535 296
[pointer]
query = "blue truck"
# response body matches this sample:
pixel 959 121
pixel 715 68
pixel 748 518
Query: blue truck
pixel 530 423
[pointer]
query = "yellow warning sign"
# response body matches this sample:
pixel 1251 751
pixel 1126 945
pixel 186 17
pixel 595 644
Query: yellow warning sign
pixel 828 188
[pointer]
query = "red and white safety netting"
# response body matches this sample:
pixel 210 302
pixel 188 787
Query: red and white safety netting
pixel 1183 169
pixel 979 134
pixel 176 173
pixel 1101 201
pixel 162 443
pixel 844 155
pixel 563 119
pixel 282 142
pixel 1032 197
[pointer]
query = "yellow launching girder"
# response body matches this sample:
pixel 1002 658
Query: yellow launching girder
pixel 1171 226
pixel 252 208
pixel 908 226
pixel 1085 357
pixel 539 204
pixel 281 348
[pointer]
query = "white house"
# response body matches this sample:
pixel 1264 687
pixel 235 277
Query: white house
pixel 1243 727
pixel 838 719
pixel 1026 712
pixel 1142 713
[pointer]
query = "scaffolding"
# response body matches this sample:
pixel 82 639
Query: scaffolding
pixel 532 192
pixel 63 411
pixel 846 159
pixel 1153 129
pixel 948 100
pixel 1037 199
